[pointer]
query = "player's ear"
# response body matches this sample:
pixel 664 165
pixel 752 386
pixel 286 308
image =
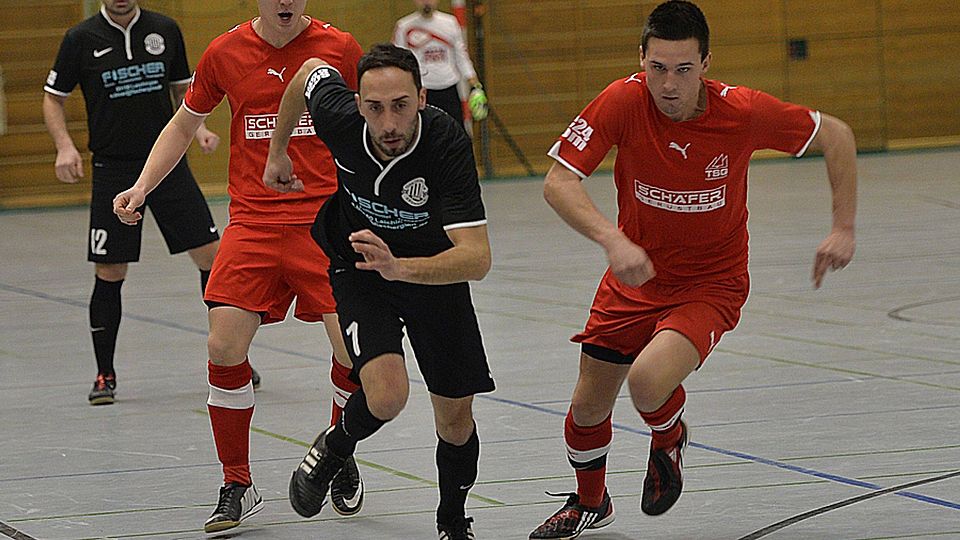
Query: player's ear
pixel 706 62
pixel 640 50
pixel 422 99
pixel 356 99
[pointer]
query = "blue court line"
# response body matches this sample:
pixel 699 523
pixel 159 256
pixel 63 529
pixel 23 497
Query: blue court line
pixel 554 412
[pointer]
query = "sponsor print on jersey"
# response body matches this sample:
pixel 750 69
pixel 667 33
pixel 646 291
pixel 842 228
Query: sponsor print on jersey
pixel 51 77
pixel 134 80
pixel 261 126
pixel 318 75
pixel 154 44
pixel 718 169
pixel 415 192
pixel 578 133
pixel 681 201
pixel 385 217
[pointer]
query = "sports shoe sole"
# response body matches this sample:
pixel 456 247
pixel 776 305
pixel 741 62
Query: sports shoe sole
pixel 103 400
pixel 224 525
pixel 350 510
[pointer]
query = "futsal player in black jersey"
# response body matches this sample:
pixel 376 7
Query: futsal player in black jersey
pixel 405 232
pixel 129 63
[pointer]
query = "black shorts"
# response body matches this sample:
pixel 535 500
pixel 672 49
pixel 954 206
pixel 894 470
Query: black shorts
pixel 177 204
pixel 440 322
pixel 448 100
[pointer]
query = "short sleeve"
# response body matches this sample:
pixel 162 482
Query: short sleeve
pixel 586 141
pixel 180 68
pixel 65 75
pixel 204 93
pixel 330 103
pixel 782 126
pixel 460 201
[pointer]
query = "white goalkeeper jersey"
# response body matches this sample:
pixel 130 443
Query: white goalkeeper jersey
pixel 438 43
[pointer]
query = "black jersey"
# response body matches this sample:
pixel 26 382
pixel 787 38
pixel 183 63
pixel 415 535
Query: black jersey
pixel 410 201
pixel 125 76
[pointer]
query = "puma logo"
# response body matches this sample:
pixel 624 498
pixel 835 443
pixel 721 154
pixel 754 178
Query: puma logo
pixel 271 71
pixel 681 149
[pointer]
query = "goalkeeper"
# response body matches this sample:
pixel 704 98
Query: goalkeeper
pixel 437 41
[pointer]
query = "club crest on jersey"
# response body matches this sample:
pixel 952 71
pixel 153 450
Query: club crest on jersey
pixel 718 169
pixel 154 44
pixel 415 192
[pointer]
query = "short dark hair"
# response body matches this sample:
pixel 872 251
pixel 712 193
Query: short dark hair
pixel 677 20
pixel 388 55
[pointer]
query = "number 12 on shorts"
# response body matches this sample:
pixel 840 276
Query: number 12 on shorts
pixel 353 332
pixel 98 237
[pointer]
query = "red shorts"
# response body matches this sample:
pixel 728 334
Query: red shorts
pixel 261 268
pixel 625 323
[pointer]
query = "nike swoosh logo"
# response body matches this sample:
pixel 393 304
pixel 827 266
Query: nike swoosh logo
pixel 465 488
pixel 100 329
pixel 352 501
pixel 98 54
pixel 213 229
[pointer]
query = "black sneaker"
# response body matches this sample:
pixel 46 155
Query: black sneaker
pixel 311 479
pixel 574 518
pixel 346 489
pixel 236 504
pixel 460 529
pixel 103 390
pixel 255 379
pixel 664 480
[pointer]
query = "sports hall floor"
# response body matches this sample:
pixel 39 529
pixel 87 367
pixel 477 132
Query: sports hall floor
pixel 827 414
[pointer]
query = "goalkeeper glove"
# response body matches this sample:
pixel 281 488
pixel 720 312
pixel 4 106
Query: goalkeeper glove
pixel 477 101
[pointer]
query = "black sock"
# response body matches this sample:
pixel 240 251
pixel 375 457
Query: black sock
pixel 456 471
pixel 105 322
pixel 356 424
pixel 204 277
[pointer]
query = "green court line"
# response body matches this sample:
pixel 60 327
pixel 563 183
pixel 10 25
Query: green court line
pixel 835 369
pixel 371 464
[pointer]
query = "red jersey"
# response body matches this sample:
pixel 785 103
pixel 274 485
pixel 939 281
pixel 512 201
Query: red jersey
pixel 253 75
pixel 682 186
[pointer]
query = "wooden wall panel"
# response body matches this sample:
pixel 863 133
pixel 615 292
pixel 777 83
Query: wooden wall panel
pixel 922 85
pixel 834 18
pixel 919 16
pixel 887 67
pixel 842 77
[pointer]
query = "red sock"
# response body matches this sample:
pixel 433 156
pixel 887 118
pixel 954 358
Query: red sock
pixel 665 422
pixel 231 407
pixel 343 388
pixel 587 449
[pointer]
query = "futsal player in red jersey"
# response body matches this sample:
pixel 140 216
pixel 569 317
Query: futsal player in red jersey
pixel 267 256
pixel 677 275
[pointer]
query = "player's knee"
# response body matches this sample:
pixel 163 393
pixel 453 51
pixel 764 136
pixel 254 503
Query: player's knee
pixel 588 410
pixel 386 407
pixel 645 392
pixel 223 351
pixel 111 272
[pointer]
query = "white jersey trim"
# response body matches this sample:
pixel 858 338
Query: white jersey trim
pixel 56 92
pixel 385 170
pixel 815 115
pixel 554 152
pixel 464 225
pixel 193 112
